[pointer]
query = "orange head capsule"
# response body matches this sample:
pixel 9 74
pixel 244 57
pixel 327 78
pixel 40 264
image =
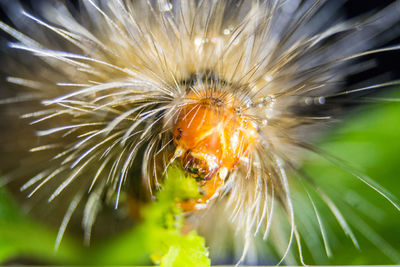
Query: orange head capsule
pixel 211 137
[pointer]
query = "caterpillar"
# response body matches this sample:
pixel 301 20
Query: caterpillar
pixel 109 93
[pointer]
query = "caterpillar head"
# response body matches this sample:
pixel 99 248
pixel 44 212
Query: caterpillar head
pixel 212 135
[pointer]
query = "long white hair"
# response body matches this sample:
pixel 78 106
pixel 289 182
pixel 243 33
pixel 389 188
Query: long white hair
pixel 106 84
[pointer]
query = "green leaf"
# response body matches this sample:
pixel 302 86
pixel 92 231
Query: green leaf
pixel 369 142
pixel 22 237
pixel 159 236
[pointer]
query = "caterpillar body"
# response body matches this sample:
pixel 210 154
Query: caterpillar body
pixel 115 91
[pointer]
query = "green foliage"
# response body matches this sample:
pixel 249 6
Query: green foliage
pixel 172 248
pixel 159 237
pixel 188 250
pixel 369 142
pixel 23 238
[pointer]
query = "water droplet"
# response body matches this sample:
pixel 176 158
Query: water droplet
pixel 308 100
pixel 165 6
pixel 227 32
pixel 268 78
pixel 198 41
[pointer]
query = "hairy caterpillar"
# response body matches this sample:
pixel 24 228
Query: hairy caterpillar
pixel 105 87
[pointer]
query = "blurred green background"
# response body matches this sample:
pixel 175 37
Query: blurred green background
pixel 368 139
pixel 369 142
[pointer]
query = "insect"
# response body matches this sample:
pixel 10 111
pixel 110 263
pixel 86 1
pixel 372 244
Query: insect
pixel 211 137
pixel 231 90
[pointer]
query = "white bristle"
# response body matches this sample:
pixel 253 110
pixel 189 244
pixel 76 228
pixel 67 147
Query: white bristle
pixel 110 82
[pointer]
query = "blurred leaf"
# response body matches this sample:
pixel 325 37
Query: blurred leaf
pixel 21 237
pixel 186 250
pixel 159 236
pixel 368 141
